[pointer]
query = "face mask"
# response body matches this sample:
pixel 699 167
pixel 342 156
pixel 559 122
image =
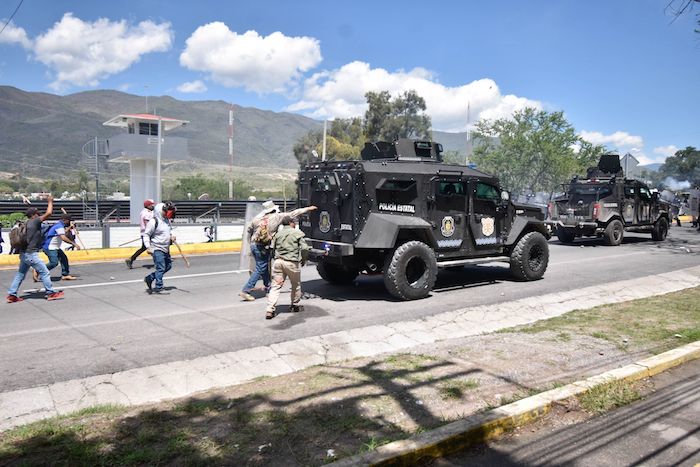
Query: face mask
pixel 170 214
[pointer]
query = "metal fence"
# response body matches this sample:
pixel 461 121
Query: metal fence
pixel 112 211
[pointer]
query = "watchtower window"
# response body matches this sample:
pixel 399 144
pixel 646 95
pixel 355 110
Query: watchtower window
pixel 150 129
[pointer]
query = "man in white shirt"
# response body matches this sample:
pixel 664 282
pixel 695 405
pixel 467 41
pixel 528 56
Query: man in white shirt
pixel 145 216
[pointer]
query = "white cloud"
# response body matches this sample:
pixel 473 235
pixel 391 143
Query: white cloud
pixel 341 93
pixel 192 86
pixel 666 151
pixel 261 64
pixel 623 143
pixel 15 35
pixel 617 140
pixel 82 53
pixel 124 87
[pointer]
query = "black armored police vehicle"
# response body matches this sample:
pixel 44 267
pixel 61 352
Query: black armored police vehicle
pixel 606 204
pixel 401 212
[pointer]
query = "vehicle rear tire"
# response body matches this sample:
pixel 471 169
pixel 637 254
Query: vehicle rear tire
pixel 565 235
pixel 336 274
pixel 410 272
pixel 530 256
pixel 660 230
pixel 614 232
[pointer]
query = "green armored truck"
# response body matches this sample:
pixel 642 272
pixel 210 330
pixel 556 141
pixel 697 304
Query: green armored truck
pixel 403 213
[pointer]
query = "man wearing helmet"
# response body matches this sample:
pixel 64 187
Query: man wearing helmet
pixel 145 216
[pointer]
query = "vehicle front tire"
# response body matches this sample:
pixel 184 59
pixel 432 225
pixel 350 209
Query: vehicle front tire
pixel 565 235
pixel 614 232
pixel 660 230
pixel 530 256
pixel 336 274
pixel 410 271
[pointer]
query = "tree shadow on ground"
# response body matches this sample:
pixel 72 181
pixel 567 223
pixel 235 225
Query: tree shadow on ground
pixel 261 428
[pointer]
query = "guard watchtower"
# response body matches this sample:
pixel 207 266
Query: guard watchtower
pixel 143 146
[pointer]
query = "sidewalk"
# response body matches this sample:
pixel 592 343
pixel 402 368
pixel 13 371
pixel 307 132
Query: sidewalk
pixel 110 254
pixel 180 379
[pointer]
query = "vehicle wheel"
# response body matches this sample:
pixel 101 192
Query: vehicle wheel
pixel 613 233
pixel 530 256
pixel 410 272
pixel 336 274
pixel 660 230
pixel 565 235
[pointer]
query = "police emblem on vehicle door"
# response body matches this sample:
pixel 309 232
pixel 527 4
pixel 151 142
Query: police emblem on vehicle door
pixel 487 226
pixel 324 222
pixel 448 226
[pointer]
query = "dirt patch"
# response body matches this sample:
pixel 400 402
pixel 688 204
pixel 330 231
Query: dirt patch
pixel 328 412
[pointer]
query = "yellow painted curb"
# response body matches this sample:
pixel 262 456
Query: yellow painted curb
pixel 109 254
pixel 457 436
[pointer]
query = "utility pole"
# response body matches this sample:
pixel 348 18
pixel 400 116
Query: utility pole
pixel 159 194
pixel 97 185
pixel 230 152
pixel 325 127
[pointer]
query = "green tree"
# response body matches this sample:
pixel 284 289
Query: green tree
pixel 389 119
pixel 308 143
pixel 534 150
pixel 683 165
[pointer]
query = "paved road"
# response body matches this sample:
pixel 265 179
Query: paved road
pixel 661 430
pixel 106 325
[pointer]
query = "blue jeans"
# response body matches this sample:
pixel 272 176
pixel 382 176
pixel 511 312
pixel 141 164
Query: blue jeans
pixel 163 263
pixel 262 267
pixel 56 256
pixel 26 261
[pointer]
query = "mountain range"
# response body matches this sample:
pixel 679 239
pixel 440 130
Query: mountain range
pixel 43 133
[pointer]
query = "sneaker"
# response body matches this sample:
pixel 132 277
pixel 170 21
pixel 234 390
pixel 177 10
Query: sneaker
pixel 246 296
pixel 14 299
pixel 129 263
pixel 55 296
pixel 269 314
pixel 149 283
pixel 158 290
pixel 68 278
pixel 296 308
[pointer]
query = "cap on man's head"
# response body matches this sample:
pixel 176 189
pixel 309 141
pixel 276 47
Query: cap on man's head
pixel 148 203
pixel 270 206
pixel 31 211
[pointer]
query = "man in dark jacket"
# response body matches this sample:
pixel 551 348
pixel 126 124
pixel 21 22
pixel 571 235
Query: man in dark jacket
pixel 29 256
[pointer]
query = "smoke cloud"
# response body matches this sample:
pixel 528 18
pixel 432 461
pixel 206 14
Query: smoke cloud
pixel 676 185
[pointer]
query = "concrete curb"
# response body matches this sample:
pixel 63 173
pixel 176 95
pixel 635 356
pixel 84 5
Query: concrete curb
pixel 110 254
pixel 477 428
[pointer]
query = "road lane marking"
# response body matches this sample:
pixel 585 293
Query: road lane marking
pixel 136 281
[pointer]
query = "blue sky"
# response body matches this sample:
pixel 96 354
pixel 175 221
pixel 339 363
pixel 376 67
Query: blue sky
pixel 624 73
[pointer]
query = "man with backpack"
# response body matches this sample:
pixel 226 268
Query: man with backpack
pixel 56 235
pixel 260 232
pixel 27 239
pixel 157 237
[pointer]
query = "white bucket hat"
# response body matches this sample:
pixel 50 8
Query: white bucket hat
pixel 270 206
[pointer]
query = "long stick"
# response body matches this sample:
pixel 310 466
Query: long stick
pixel 77 234
pixel 187 262
pixel 130 241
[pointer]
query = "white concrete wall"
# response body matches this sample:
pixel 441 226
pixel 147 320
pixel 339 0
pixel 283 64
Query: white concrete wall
pixel 186 233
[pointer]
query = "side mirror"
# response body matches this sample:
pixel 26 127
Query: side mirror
pixel 505 196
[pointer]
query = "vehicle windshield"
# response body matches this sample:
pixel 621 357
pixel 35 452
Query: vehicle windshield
pixel 599 191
